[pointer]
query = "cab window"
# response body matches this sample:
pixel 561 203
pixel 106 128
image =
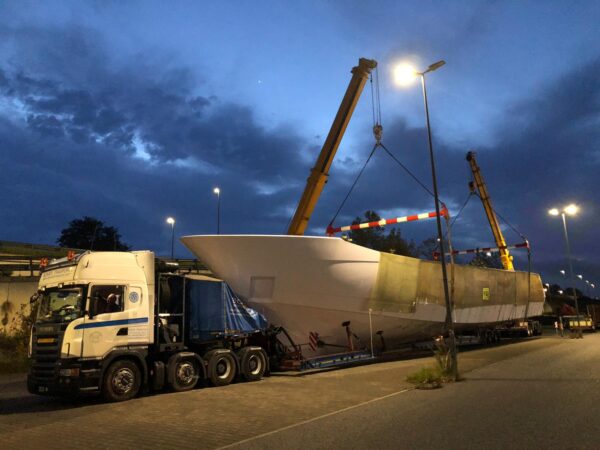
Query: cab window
pixel 107 299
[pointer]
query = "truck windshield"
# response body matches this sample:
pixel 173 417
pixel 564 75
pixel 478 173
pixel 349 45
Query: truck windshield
pixel 60 305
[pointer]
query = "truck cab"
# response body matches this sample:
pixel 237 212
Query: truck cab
pixel 90 309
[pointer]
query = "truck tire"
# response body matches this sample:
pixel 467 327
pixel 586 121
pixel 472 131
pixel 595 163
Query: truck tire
pixel 221 368
pixel 122 381
pixel 253 363
pixel 185 373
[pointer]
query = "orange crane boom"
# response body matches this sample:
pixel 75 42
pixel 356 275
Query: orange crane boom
pixel 489 212
pixel 320 172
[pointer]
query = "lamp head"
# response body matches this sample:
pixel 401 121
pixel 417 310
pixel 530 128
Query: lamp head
pixel 404 74
pixel 553 212
pixel 435 66
pixel 170 221
pixel 217 190
pixel 571 209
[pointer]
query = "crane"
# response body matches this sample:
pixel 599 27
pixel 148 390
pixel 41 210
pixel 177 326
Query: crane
pixel 489 211
pixel 320 172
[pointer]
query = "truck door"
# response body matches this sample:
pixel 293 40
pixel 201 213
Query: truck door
pixel 108 326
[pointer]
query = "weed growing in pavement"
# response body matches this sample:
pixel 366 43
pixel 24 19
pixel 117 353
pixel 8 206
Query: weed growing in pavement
pixel 427 376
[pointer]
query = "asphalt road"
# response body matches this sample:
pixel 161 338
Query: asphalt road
pixel 540 393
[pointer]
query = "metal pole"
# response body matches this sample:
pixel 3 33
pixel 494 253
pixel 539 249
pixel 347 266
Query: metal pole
pixel 449 321
pixel 172 238
pixel 219 215
pixel 579 333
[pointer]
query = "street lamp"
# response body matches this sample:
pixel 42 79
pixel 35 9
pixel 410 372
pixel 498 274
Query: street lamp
pixel 570 210
pixel 404 74
pixel 563 273
pixel 217 191
pixel 171 222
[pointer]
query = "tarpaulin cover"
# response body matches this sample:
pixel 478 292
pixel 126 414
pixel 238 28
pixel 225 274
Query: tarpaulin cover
pixel 214 311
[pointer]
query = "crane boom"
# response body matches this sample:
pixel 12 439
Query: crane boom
pixel 320 172
pixel 489 211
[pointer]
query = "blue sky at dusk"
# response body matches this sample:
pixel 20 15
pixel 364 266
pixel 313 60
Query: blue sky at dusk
pixel 133 111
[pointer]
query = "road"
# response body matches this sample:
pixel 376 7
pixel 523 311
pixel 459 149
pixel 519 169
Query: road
pixel 532 394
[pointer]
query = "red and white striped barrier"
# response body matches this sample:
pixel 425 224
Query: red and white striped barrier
pixel 379 223
pixel 525 244
pixel 313 340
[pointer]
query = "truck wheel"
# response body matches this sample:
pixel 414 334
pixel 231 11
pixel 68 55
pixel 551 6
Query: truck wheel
pixel 185 374
pixel 221 367
pixel 253 364
pixel 122 381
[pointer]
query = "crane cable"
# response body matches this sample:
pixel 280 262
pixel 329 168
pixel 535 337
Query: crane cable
pixel 504 220
pixel 377 131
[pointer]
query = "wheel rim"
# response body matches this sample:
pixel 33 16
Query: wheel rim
pixel 123 381
pixel 255 364
pixel 186 372
pixel 223 368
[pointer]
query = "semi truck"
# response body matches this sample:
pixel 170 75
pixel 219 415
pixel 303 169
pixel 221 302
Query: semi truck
pixel 117 323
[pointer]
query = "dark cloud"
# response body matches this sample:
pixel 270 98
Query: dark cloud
pixel 128 146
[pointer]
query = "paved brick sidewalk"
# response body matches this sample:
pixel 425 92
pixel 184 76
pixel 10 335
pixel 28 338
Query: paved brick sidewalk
pixel 214 417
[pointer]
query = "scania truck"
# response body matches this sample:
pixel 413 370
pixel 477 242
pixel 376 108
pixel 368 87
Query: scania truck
pixel 117 323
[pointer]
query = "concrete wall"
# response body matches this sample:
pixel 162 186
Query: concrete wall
pixel 14 295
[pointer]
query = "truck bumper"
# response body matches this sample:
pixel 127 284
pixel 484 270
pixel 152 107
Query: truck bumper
pixel 69 378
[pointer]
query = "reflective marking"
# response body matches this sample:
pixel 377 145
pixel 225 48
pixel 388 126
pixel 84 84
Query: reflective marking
pixel 110 323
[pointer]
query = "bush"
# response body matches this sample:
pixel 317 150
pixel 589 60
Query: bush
pixel 13 347
pixel 13 354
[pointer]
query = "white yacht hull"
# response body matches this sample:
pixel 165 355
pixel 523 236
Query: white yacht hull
pixel 313 284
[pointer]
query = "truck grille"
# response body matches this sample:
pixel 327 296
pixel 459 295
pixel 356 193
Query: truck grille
pixel 45 352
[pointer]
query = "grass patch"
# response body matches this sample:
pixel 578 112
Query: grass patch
pixel 427 375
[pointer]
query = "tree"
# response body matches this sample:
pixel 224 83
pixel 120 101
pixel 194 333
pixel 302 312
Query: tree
pixel 428 247
pixel 483 260
pixel 376 239
pixel 89 233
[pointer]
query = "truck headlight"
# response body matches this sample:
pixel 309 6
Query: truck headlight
pixel 69 372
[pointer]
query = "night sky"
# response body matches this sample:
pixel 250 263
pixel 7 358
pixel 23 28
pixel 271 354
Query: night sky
pixel 134 111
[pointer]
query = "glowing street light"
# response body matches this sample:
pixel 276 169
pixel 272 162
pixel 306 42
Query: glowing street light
pixel 217 192
pixel 563 273
pixel 571 210
pixel 404 74
pixel 171 221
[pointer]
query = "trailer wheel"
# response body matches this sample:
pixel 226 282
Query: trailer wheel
pixel 185 375
pixel 253 363
pixel 122 381
pixel 221 367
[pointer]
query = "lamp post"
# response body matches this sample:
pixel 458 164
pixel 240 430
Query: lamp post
pixel 217 191
pixel 404 74
pixel 570 210
pixel 588 287
pixel 171 222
